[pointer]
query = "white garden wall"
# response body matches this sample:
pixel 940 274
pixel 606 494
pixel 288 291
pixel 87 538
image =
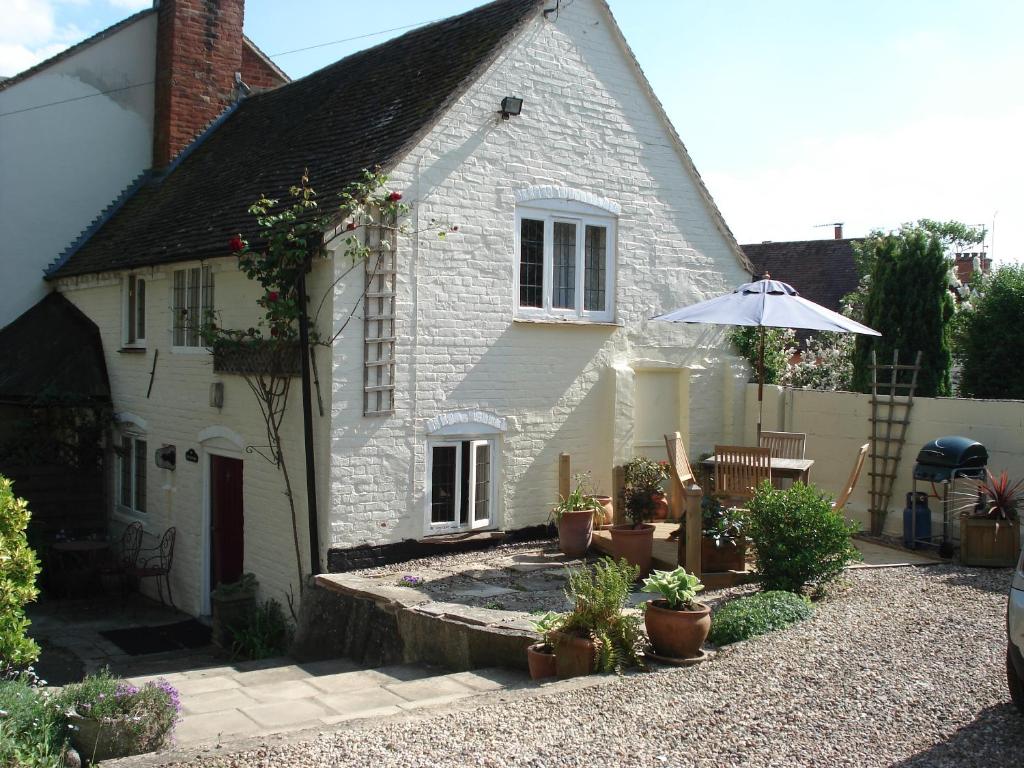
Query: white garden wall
pixel 61 165
pixel 588 128
pixel 836 424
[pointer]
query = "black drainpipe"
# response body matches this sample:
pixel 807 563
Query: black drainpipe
pixel 307 426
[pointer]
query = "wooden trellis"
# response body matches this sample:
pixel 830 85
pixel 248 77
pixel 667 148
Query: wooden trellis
pixel 379 322
pixel 891 402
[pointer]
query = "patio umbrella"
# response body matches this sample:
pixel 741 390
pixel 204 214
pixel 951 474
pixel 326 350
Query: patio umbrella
pixel 765 303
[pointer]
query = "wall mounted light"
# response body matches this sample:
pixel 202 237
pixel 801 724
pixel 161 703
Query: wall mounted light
pixel 511 105
pixel 166 457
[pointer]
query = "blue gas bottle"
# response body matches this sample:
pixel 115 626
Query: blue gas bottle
pixel 916 510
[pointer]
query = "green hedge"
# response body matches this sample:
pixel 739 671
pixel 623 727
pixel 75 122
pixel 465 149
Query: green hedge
pixel 757 615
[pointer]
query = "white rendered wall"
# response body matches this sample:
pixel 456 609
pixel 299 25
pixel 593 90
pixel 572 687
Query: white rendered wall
pixel 61 165
pixel 177 412
pixel 586 124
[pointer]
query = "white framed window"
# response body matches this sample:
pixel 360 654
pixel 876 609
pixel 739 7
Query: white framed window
pixel 565 261
pixel 134 312
pixel 460 484
pixel 130 465
pixel 191 305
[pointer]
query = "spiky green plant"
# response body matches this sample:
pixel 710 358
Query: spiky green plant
pixel 599 595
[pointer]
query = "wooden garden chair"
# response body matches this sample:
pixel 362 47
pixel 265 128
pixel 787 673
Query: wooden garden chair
pixel 851 482
pixel 686 497
pixel 739 470
pixel 784 445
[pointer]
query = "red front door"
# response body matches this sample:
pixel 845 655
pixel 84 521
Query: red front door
pixel 227 540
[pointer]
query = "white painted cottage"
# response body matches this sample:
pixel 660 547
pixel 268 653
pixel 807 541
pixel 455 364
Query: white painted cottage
pixel 523 336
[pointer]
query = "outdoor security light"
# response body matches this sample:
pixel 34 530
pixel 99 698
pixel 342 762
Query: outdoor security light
pixel 511 105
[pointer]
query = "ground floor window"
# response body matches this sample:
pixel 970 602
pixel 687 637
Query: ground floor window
pixel 131 473
pixel 461 484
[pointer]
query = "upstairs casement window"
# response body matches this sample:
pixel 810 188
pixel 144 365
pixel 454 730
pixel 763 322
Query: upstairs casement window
pixel 134 312
pixel 565 264
pixel 130 466
pixel 191 305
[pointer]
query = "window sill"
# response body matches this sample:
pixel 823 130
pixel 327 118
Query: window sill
pixel 190 351
pixel 132 350
pixel 568 321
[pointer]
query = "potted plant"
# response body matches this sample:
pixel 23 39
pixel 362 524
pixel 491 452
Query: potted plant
pixel 677 623
pixel 541 656
pixel 231 604
pixel 111 718
pixel 597 635
pixel 723 546
pixel 574 515
pixel 634 540
pixel 990 533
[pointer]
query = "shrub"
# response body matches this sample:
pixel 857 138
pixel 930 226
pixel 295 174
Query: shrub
pixel 989 341
pixel 643 477
pixel 140 719
pixel 266 633
pixel 797 538
pixel 31 730
pixel 757 615
pixel 599 595
pixel 18 570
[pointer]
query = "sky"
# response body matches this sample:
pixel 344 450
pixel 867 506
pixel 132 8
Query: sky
pixel 797 113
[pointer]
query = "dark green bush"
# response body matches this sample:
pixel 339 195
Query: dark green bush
pixel 18 569
pixel 989 339
pixel 31 730
pixel 798 539
pixel 267 633
pixel 757 615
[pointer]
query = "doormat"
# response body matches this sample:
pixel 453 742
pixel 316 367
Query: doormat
pixel 182 636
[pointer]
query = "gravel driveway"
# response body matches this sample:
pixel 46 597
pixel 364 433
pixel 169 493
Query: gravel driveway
pixel 899 667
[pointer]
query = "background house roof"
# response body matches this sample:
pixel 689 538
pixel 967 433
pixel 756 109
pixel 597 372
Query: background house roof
pixel 820 270
pixel 52 351
pixel 363 111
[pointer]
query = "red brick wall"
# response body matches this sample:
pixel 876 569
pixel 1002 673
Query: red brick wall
pixel 198 52
pixel 256 73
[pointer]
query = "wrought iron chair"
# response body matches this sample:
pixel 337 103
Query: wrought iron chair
pixel 740 469
pixel 851 482
pixel 155 563
pixel 126 556
pixel 784 445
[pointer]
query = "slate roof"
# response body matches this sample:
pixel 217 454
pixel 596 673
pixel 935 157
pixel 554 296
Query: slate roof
pixel 366 110
pixel 52 349
pixel 821 270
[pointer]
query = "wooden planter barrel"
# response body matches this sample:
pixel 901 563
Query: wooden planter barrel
pixel 992 543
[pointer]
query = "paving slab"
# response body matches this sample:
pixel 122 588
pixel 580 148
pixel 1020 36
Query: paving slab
pixel 194 687
pixel 215 701
pixel 428 688
pixel 199 729
pixel 355 702
pixel 351 681
pixel 290 690
pixel 280 714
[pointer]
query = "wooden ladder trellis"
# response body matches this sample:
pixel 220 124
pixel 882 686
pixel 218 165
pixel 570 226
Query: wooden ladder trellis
pixel 379 322
pixel 890 410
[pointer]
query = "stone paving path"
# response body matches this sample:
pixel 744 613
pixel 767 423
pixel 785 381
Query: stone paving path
pixel 276 696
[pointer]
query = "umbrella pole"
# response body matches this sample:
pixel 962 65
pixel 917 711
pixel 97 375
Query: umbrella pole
pixel 760 384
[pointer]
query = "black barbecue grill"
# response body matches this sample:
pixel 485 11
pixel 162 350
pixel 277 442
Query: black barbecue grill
pixel 946 460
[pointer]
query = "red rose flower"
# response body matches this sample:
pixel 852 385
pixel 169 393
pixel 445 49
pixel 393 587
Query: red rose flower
pixel 350 226
pixel 273 332
pixel 394 197
pixel 455 228
pixel 272 296
pixel 236 244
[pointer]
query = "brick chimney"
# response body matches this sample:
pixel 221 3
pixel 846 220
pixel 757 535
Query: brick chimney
pixel 198 52
pixel 838 230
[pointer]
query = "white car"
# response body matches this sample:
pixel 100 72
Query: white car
pixel 1015 634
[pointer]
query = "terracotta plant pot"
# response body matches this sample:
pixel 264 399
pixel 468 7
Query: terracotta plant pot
pixel 541 659
pixel 609 509
pixel 634 544
pixel 660 505
pixel 575 529
pixel 574 656
pixel 730 556
pixel 677 634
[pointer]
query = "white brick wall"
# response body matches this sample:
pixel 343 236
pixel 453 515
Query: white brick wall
pixel 587 125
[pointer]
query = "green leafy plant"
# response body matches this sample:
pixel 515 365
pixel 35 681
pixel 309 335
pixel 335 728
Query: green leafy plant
pixel 246 586
pixel 757 615
pixel 545 624
pixel 719 524
pixel 999 496
pixel 798 539
pixel 265 634
pixel 18 570
pixel 32 731
pixel 779 346
pixel 643 478
pixel 678 587
pixel 137 719
pixel 578 500
pixel 599 595
pixel 989 342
